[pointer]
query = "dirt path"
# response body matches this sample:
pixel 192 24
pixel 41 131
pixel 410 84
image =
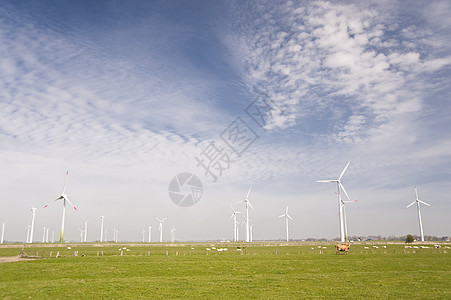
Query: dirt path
pixel 5 259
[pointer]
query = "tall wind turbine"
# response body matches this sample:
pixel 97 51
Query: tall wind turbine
pixel 340 205
pixel 161 228
pixel 86 231
pixel 33 211
pixel 235 224
pixel 3 231
pixel 101 228
pixel 248 204
pixel 150 233
pixel 65 199
pixel 418 201
pixel 286 216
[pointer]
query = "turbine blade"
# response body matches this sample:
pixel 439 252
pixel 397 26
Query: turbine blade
pixel 250 205
pixel 344 170
pixel 50 203
pixel 281 216
pixel 410 204
pixel 331 180
pixel 286 211
pixel 424 203
pixel 70 203
pixel 416 193
pixel 65 182
pixel 344 190
pixel 231 217
pixel 289 217
pixel 248 192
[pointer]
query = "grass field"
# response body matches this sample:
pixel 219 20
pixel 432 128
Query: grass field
pixel 263 272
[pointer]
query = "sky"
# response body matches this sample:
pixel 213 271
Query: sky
pixel 127 95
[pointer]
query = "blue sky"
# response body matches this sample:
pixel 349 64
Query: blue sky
pixel 126 95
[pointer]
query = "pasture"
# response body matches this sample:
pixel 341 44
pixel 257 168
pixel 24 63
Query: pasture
pixel 263 271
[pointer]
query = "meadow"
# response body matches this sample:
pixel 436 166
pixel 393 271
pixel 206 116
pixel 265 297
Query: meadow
pixel 261 271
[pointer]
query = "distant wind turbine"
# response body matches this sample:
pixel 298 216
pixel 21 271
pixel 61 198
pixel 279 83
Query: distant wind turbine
pixel 28 232
pixel 340 204
pixel 248 204
pixel 173 230
pixel 101 228
pixel 286 216
pixel 65 199
pixel 144 233
pixel 150 233
pixel 81 234
pixel 161 228
pixel 345 222
pixel 418 201
pixel 235 226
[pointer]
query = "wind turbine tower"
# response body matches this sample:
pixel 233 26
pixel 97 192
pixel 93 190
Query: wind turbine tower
pixel 65 199
pixel 3 231
pixel 418 201
pixel 86 231
pixel 340 204
pixel 161 228
pixel 33 215
pixel 286 216
pixel 101 228
pixel 150 233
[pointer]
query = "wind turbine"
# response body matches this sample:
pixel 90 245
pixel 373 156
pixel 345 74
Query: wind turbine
pixel 340 205
pixel 150 233
pixel 101 228
pixel 65 199
pixel 86 231
pixel 418 201
pixel 286 216
pixel 81 234
pixel 173 230
pixel 144 232
pixel 33 211
pixel 235 227
pixel 250 229
pixel 3 231
pixel 43 236
pixel 248 204
pixel 161 228
pixel 343 203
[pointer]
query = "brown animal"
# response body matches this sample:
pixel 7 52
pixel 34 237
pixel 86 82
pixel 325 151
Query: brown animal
pixel 342 248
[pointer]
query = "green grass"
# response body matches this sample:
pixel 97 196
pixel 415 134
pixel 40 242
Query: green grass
pixel 294 272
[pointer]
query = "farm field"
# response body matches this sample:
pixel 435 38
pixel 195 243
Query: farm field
pixel 259 271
